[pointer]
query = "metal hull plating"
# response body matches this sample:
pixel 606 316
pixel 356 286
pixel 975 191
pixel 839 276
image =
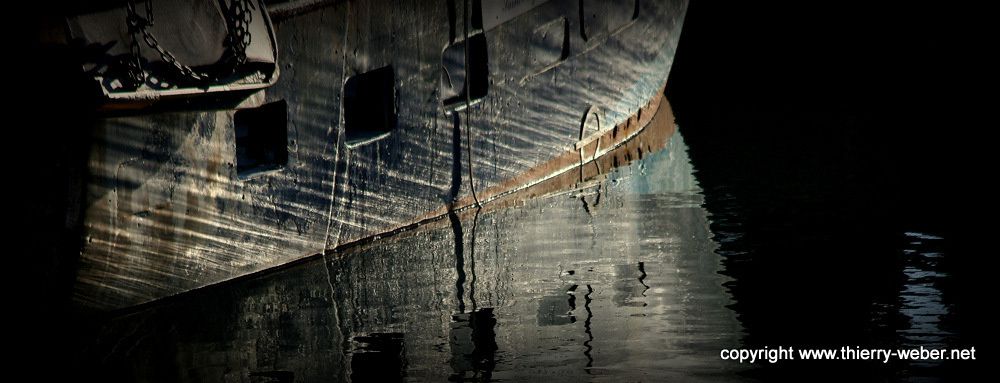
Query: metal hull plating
pixel 167 208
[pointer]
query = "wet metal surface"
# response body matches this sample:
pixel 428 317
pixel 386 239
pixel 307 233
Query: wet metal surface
pixel 170 207
pixel 619 278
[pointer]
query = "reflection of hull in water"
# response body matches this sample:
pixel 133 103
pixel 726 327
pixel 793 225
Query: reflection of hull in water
pixel 182 198
pixel 619 278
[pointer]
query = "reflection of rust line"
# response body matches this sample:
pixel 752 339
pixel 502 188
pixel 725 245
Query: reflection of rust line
pixel 649 128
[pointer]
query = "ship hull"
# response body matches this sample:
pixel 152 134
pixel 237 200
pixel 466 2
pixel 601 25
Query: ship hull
pixel 374 136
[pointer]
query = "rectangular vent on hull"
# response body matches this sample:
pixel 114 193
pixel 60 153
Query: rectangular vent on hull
pixel 457 74
pixel 261 139
pixel 369 106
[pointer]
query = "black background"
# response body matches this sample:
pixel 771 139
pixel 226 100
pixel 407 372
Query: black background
pixel 822 132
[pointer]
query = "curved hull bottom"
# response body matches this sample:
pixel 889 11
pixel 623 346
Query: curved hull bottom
pixel 575 171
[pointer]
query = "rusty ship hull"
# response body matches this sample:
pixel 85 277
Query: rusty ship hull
pixel 384 115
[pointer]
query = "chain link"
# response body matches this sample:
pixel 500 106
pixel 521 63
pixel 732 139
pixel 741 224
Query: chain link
pixel 239 37
pixel 239 16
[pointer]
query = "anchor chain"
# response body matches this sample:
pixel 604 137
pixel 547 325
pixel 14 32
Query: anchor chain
pixel 239 16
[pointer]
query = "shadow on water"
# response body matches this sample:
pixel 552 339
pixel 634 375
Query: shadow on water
pixel 616 278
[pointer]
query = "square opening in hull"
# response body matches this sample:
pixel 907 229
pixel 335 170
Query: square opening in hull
pixel 261 139
pixel 369 106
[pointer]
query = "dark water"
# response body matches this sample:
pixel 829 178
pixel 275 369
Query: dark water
pixel 617 280
pixel 841 153
pixel 644 275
